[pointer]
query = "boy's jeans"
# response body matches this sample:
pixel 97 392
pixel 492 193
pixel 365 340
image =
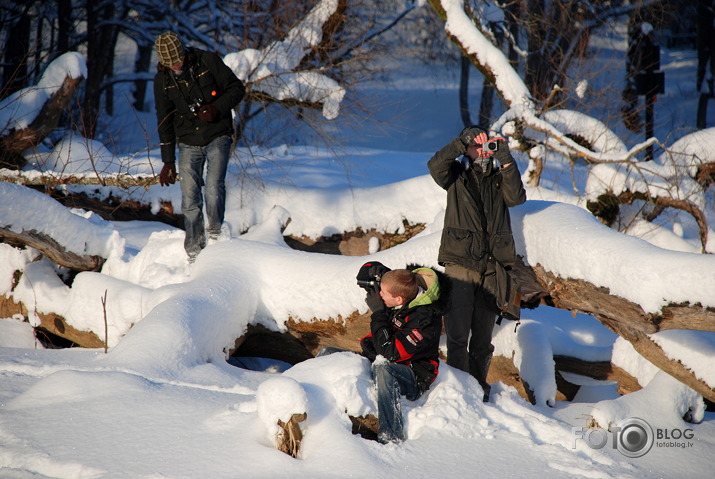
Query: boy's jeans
pixel 392 380
pixel 191 168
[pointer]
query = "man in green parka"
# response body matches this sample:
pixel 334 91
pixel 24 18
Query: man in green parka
pixel 482 181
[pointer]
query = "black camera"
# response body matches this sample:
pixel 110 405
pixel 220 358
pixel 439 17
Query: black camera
pixel 490 146
pixel 370 275
pixel 195 107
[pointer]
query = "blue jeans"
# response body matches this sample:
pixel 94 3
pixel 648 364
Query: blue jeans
pixel 191 168
pixel 392 380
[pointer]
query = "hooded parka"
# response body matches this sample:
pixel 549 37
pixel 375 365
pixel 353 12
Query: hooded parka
pixel 477 225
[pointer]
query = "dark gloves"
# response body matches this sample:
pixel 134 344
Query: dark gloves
pixel 209 113
pixel 502 155
pixel 168 174
pixel 374 301
pixel 468 135
pixel 368 348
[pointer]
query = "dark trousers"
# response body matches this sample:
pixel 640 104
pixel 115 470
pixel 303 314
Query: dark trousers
pixel 470 321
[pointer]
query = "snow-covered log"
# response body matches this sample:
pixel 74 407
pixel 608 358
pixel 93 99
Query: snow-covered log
pixel 13 144
pixel 629 321
pixel 53 179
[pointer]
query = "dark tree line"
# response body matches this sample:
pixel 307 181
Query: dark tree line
pixel 35 32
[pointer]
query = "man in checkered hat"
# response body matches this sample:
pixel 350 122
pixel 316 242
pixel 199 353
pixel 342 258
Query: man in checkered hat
pixel 194 94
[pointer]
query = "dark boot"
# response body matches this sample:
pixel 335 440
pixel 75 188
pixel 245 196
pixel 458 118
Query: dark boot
pixel 479 368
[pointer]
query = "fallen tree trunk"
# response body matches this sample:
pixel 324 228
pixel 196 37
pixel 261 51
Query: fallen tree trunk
pixel 624 317
pixel 12 145
pixel 52 323
pixel 54 179
pixel 579 295
pixel 629 321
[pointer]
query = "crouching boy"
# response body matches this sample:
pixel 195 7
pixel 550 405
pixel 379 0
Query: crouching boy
pixel 403 343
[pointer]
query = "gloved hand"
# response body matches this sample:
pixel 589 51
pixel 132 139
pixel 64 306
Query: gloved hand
pixel 368 348
pixel 374 301
pixel 468 135
pixel 209 113
pixel 168 174
pixel 475 150
pixel 502 155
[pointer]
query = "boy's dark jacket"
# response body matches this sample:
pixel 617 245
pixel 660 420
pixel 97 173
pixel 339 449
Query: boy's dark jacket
pixel 410 334
pixel 464 241
pixel 206 78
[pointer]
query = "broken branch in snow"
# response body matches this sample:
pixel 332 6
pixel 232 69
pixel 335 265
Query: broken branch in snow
pixel 290 435
pixel 606 208
pixel 51 249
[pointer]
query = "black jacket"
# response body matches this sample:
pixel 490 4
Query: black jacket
pixel 476 222
pixel 410 335
pixel 205 79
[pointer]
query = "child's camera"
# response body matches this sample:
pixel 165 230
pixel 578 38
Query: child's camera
pixel 370 274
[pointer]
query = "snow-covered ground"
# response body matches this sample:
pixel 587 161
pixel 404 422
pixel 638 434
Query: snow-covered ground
pixel 164 403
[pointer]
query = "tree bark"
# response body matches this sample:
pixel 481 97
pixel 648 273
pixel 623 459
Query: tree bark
pixel 52 323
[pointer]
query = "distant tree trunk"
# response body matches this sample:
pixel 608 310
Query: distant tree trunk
pixel 486 105
pixel 142 64
pixel 17 48
pixel 101 40
pixel 64 25
pixel 536 34
pixel 487 102
pixel 513 11
pixel 465 65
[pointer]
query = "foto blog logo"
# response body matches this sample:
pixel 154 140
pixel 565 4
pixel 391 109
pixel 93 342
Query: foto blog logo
pixel 633 437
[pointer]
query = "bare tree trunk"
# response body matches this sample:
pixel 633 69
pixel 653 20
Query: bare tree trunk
pixel 536 32
pixel 64 25
pixel 17 49
pixel 464 67
pixel 142 64
pixel 101 40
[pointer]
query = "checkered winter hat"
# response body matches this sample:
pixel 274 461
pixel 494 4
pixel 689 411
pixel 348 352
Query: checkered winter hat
pixel 170 49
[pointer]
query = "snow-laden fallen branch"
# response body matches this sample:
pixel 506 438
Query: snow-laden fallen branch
pixel 270 72
pixel 52 179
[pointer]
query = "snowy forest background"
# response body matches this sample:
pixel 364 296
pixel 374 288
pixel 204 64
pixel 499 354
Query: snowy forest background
pixel 346 102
